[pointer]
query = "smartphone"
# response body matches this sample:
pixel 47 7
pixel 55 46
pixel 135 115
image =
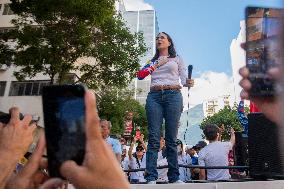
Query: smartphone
pixel 138 135
pixel 262 47
pixel 64 122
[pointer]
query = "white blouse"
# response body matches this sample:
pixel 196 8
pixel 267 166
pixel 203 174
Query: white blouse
pixel 170 73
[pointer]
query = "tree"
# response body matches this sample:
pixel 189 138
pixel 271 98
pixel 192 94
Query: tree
pixel 6 55
pixel 51 35
pixel 119 53
pixel 113 104
pixel 226 116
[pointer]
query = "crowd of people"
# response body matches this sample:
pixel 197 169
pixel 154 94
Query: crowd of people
pixel 17 135
pixel 106 158
pixel 100 168
pixel 216 153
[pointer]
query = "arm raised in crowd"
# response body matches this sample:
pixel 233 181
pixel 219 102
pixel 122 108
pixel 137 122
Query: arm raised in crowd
pixel 131 148
pixel 141 139
pixel 233 137
pixel 32 175
pixel 15 139
pixel 100 168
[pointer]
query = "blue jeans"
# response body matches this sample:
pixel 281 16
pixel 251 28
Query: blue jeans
pixel 165 104
pixel 134 181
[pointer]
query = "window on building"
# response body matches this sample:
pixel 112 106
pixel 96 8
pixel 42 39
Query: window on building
pixel 35 89
pixel 7 10
pixel 4 30
pixel 41 85
pixel 70 78
pixel 27 88
pixel 2 87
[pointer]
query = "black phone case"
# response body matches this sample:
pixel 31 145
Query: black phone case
pixel 257 51
pixel 65 139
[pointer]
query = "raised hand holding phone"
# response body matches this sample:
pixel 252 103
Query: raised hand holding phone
pixel 262 48
pixel 64 119
pixel 94 172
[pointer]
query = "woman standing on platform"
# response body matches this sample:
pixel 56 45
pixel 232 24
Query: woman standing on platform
pixel 164 101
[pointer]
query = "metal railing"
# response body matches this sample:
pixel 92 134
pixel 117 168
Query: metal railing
pixel 192 167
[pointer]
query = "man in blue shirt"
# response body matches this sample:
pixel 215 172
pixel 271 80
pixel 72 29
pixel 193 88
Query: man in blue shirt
pixel 191 153
pixel 114 143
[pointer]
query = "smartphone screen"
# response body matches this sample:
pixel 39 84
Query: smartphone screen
pixel 262 47
pixel 138 134
pixel 64 121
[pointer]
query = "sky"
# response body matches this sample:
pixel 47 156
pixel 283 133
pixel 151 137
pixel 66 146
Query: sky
pixel 202 31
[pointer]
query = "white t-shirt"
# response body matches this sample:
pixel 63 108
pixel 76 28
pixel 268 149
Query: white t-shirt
pixel 188 161
pixel 124 163
pixel 134 165
pixel 182 170
pixel 216 154
pixel 162 173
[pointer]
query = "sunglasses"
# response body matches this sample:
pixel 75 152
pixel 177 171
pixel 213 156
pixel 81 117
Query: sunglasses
pixel 140 150
pixel 161 37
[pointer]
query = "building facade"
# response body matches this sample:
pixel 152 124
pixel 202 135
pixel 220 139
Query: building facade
pixel 25 95
pixel 238 59
pixel 212 106
pixel 144 21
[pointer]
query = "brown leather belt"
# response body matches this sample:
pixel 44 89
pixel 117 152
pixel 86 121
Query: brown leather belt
pixel 165 87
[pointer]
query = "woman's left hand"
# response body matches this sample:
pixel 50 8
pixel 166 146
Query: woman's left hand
pixel 189 83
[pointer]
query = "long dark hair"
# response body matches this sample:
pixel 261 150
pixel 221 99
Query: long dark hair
pixel 171 49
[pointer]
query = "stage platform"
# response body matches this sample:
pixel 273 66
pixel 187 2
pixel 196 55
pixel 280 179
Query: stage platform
pixel 276 184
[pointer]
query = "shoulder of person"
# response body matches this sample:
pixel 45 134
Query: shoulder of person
pixel 184 155
pixel 144 157
pixel 116 140
pixel 202 152
pixel 113 140
pixel 126 159
pixel 188 159
pixel 109 140
pixel 148 64
pixel 227 143
pixel 179 58
pixel 132 160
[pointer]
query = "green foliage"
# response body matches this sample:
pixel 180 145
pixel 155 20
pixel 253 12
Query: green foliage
pixel 119 53
pixel 51 35
pixel 6 55
pixel 113 105
pixel 226 116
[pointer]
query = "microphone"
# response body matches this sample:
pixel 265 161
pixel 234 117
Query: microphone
pixel 189 71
